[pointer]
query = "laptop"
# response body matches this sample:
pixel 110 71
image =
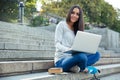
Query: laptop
pixel 85 42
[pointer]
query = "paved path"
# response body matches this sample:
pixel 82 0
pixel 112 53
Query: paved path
pixel 26 76
pixel 111 77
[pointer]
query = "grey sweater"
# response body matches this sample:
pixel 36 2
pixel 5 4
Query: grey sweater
pixel 64 38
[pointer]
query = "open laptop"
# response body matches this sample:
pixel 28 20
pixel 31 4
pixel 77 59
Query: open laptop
pixel 85 42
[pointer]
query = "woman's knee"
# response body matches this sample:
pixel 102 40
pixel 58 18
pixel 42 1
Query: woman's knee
pixel 97 55
pixel 82 57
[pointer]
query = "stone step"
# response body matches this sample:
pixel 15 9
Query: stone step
pixel 22 29
pixel 27 32
pixel 115 76
pixel 110 55
pixel 27 41
pixel 6 55
pixel 4 34
pixel 8 29
pixel 38 54
pixel 104 61
pixel 14 46
pixel 105 70
pixel 108 51
pixel 27 36
pixel 102 50
pixel 38 42
pixel 117 50
pixel 17 67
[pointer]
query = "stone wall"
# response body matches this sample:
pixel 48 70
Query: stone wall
pixel 110 38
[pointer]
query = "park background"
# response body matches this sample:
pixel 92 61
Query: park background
pixel 27 37
pixel 40 12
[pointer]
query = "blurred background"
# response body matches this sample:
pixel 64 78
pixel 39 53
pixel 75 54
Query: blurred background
pixel 97 13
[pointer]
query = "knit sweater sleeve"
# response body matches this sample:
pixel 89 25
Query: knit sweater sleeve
pixel 59 32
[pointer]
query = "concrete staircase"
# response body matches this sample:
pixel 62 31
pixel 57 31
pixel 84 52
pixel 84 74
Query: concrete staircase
pixel 22 42
pixel 26 53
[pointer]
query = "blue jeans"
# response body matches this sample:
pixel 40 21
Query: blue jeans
pixel 81 59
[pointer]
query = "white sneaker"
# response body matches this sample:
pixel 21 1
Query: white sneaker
pixel 75 69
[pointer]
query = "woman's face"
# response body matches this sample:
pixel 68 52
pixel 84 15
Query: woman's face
pixel 74 15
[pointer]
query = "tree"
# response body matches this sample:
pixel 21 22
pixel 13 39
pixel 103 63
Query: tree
pixel 95 11
pixel 118 14
pixel 59 8
pixel 90 9
pixel 108 15
pixel 30 8
pixel 9 9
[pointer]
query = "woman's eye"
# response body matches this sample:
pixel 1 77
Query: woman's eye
pixel 78 14
pixel 72 13
pixel 75 13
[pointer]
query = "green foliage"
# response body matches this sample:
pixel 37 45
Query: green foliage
pixel 91 11
pixel 87 27
pixel 45 21
pixel 118 14
pixel 116 26
pixel 59 8
pixel 108 14
pixel 39 21
pixel 95 11
pixel 29 8
pixel 9 9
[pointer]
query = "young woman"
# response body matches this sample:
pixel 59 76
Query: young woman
pixel 64 37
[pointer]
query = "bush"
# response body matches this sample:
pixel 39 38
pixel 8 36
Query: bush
pixel 37 21
pixel 40 21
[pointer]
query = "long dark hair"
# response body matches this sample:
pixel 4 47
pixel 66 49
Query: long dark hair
pixel 78 25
